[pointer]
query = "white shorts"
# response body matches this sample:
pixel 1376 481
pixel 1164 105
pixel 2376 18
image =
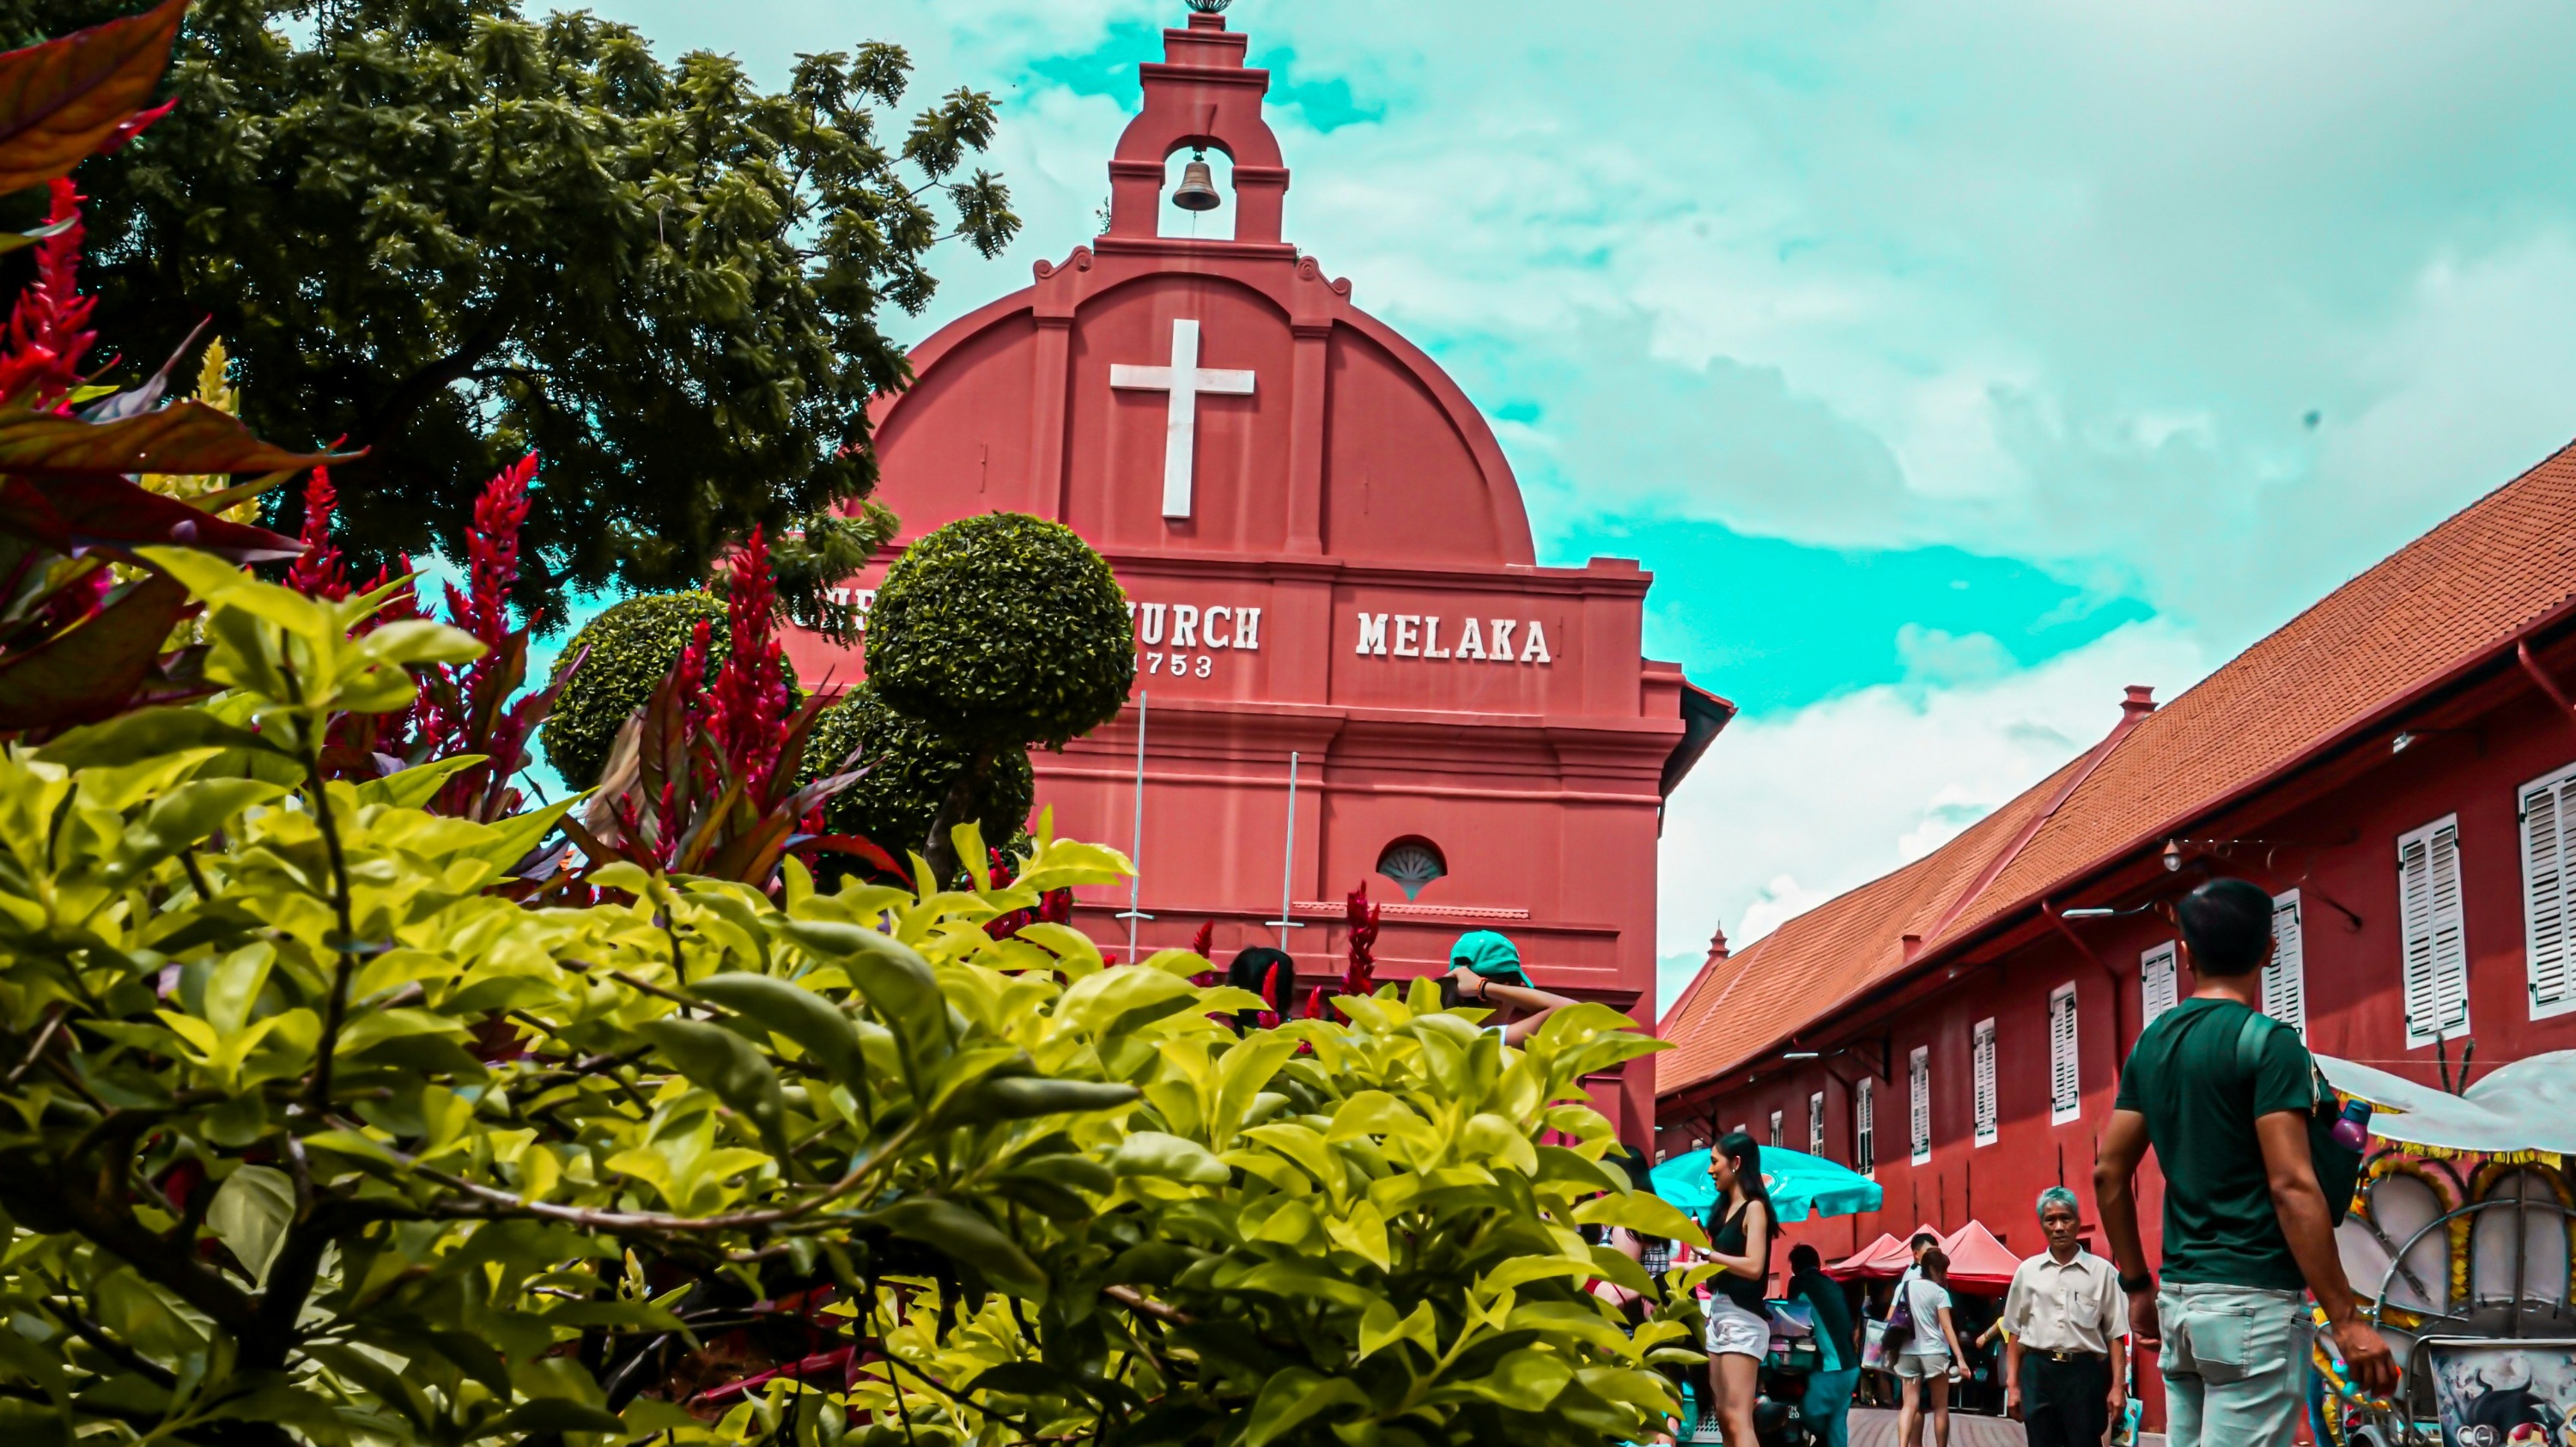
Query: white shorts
pixel 1735 1332
pixel 1923 1365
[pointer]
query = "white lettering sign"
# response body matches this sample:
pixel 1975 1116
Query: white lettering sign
pixel 1417 635
pixel 1196 632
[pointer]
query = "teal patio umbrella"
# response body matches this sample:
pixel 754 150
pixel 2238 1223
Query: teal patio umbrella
pixel 1801 1185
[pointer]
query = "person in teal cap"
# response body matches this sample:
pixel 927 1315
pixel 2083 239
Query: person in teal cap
pixel 1485 969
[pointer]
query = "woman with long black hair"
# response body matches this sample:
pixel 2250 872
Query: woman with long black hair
pixel 1739 1232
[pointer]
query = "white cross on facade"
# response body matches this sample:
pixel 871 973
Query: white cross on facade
pixel 1185 379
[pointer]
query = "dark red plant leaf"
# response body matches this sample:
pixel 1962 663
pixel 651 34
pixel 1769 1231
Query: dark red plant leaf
pixel 860 846
pixel 92 670
pixel 64 513
pixel 64 100
pixel 189 438
pixel 135 125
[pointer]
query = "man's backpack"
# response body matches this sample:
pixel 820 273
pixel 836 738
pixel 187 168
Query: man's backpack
pixel 2338 1166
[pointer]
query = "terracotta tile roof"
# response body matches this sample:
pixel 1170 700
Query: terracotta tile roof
pixel 1799 972
pixel 2447 599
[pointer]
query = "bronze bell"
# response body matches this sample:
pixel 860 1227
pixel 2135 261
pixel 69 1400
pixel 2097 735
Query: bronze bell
pixel 1197 191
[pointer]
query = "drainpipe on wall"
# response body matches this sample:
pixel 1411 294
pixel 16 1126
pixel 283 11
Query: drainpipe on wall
pixel 2548 685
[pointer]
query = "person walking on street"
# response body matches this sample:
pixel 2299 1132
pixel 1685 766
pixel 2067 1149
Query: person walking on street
pixel 1931 1359
pixel 1739 1335
pixel 1827 1404
pixel 2065 1325
pixel 2224 1098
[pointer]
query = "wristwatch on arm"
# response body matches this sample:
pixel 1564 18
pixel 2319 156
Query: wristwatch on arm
pixel 2143 1281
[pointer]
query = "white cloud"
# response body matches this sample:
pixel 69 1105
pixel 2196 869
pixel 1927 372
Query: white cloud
pixel 2060 283
pixel 1786 812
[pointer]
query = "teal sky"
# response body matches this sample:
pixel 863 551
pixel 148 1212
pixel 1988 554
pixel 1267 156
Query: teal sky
pixel 1950 367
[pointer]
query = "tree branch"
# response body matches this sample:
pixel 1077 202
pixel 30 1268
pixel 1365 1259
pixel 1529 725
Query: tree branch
pixel 414 391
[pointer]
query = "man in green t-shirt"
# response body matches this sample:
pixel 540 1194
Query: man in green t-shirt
pixel 2246 1225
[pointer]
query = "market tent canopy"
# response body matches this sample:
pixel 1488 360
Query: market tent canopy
pixel 2529 1105
pixel 1883 1258
pixel 1978 1261
pixel 1801 1185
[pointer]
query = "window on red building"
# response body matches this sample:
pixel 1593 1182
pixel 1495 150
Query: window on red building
pixel 2285 980
pixel 2159 989
pixel 1816 1125
pixel 1776 1142
pixel 2436 968
pixel 1918 1117
pixel 2548 809
pixel 2065 1089
pixel 1981 1050
pixel 1864 1159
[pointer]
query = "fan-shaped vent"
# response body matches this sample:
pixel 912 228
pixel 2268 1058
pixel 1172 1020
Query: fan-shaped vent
pixel 1412 863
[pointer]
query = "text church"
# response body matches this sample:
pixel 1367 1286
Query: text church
pixel 1350 668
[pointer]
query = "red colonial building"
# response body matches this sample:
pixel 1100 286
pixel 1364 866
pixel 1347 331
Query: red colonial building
pixel 1349 666
pixel 2397 765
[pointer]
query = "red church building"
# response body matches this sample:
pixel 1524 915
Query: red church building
pixel 2397 765
pixel 1350 668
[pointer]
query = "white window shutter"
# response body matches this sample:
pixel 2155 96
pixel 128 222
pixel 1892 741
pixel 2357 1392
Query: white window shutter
pixel 2285 980
pixel 2548 838
pixel 1982 1051
pixel 1864 1158
pixel 2159 986
pixel 2436 956
pixel 1776 1142
pixel 1816 1125
pixel 2065 1083
pixel 1918 1080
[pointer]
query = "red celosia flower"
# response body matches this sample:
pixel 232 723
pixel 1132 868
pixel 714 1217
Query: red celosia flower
pixel 320 572
pixel 52 317
pixel 492 555
pixel 747 706
pixel 1360 977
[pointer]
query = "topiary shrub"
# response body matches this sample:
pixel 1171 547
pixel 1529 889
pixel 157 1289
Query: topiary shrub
pixel 1000 632
pixel 631 646
pixel 909 769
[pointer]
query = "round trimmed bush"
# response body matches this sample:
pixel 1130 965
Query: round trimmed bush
pixel 632 648
pixel 1002 632
pixel 909 769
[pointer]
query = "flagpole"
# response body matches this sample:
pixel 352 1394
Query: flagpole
pixel 1136 835
pixel 1288 861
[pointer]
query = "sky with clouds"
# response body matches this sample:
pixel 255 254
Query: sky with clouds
pixel 1950 366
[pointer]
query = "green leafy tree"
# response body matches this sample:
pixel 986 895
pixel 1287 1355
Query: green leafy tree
pixel 451 233
pixel 1000 633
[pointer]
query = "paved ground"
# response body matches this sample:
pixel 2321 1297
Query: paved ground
pixel 1876 1427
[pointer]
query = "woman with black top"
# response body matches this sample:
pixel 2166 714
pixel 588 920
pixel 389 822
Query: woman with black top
pixel 1740 1241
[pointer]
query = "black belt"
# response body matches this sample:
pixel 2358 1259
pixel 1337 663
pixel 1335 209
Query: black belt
pixel 2069 1356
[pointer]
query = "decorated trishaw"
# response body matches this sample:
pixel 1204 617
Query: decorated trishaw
pixel 2462 1245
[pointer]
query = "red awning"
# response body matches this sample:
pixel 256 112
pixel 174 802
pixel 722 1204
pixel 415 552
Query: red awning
pixel 1978 1260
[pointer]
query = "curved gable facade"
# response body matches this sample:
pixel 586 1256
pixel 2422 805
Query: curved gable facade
pixel 1329 561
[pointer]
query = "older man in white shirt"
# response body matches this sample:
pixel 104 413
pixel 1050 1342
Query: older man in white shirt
pixel 2066 1370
